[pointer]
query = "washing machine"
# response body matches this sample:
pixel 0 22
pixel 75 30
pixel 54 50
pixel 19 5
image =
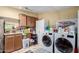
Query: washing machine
pixel 46 42
pixel 64 42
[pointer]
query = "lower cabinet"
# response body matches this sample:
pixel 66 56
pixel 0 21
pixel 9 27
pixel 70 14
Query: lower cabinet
pixel 9 43
pixel 13 42
pixel 17 42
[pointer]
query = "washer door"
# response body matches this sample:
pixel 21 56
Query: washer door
pixel 47 41
pixel 63 45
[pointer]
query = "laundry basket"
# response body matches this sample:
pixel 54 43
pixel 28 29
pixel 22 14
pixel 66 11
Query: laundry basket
pixel 25 43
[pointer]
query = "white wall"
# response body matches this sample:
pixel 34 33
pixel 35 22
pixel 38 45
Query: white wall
pixel 55 16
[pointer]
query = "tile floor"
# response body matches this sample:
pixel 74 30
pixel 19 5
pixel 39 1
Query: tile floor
pixel 32 49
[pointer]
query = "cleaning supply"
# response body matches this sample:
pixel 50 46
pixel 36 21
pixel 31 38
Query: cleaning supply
pixel 47 27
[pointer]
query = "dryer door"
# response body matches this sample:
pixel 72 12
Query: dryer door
pixel 64 45
pixel 47 41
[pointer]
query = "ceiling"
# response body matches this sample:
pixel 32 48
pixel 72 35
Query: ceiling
pixel 41 9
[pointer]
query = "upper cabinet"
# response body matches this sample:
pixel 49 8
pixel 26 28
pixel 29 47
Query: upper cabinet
pixel 22 18
pixel 27 20
pixel 31 21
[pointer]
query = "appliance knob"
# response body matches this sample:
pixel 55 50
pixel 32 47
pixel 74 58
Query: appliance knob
pixel 62 35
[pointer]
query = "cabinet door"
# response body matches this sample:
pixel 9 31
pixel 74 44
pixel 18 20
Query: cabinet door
pixel 9 43
pixel 29 21
pixel 17 42
pixel 33 22
pixel 22 20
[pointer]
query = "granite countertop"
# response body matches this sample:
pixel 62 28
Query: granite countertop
pixel 12 33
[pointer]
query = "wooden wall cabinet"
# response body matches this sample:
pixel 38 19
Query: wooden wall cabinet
pixel 27 20
pixel 22 18
pixel 34 22
pixel 31 21
pixel 13 42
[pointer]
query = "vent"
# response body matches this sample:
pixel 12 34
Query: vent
pixel 27 9
pixel 24 8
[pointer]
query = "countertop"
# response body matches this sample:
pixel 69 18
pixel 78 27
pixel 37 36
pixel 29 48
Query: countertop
pixel 12 33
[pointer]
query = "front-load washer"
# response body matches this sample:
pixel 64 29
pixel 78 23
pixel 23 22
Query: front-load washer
pixel 46 42
pixel 64 43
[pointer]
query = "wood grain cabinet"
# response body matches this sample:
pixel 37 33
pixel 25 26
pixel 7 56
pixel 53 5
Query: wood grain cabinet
pixel 13 42
pixel 27 20
pixel 9 43
pixel 31 21
pixel 17 42
pixel 22 18
pixel 34 22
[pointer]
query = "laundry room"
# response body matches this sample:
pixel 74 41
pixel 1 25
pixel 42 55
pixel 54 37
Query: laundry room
pixel 39 29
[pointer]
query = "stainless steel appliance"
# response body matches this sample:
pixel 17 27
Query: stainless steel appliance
pixel 1 35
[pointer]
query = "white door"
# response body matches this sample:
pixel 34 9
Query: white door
pixel 40 26
pixel 40 30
